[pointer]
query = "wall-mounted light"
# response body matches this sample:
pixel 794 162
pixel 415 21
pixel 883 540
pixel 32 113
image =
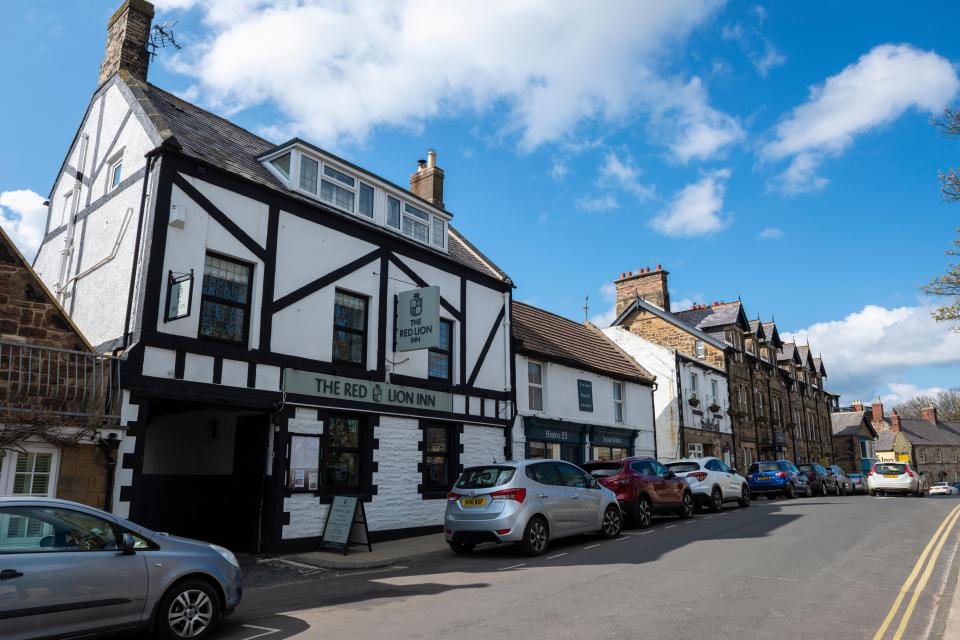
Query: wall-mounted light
pixel 178 216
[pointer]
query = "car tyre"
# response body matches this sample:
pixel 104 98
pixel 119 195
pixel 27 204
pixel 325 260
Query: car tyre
pixel 823 489
pixel 789 492
pixel 536 537
pixel 744 497
pixel 809 492
pixel 686 506
pixel 836 490
pixel 871 493
pixel 189 609
pixel 716 500
pixel 612 523
pixel 921 493
pixel 642 513
pixel 462 548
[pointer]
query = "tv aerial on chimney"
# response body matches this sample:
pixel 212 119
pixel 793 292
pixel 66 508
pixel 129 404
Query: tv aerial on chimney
pixel 161 37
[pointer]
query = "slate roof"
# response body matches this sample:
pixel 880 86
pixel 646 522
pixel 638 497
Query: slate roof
pixel 209 138
pixel 925 432
pixel 558 339
pixel 773 335
pixel 787 352
pixel 847 423
pixel 885 440
pixel 719 315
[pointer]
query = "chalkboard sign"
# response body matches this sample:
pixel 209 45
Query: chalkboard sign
pixel 346 525
pixel 585 395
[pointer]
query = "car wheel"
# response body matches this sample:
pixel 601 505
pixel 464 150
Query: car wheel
pixel 921 493
pixel 823 489
pixel 462 548
pixel 716 501
pixel 612 523
pixel 190 609
pixel 789 492
pixel 536 536
pixel 642 513
pixel 836 490
pixel 809 492
pixel 686 506
pixel 745 497
pixel 871 492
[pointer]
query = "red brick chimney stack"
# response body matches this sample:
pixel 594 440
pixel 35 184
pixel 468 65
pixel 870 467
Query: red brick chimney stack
pixel 128 32
pixel 878 410
pixel 650 285
pixel 427 182
pixel 895 421
pixel 929 414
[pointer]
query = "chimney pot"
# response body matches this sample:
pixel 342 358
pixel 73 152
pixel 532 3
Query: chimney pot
pixel 646 284
pixel 431 158
pixel 427 182
pixel 128 32
pixel 659 268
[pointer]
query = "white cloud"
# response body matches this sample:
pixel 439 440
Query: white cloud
pixel 24 217
pixel 624 175
pixel 696 209
pixel 603 202
pixel 757 47
pixel 877 89
pixel 769 58
pixel 559 170
pixel 876 346
pixel 337 71
pixel 898 393
pixel 771 233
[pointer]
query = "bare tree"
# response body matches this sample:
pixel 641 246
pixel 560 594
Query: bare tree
pixel 947 403
pixel 948 284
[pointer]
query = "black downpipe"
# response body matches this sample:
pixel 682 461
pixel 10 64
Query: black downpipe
pixel 682 438
pixel 151 157
pixel 108 447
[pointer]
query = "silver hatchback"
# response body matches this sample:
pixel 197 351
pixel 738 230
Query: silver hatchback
pixel 529 502
pixel 70 570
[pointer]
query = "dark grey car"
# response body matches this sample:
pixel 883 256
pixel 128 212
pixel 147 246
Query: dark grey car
pixel 70 570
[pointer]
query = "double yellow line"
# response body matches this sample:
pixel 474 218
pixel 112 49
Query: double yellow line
pixel 936 545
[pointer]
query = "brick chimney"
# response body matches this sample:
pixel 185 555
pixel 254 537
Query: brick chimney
pixel 857 405
pixel 649 285
pixel 878 410
pixel 929 414
pixel 128 31
pixel 427 182
pixel 895 421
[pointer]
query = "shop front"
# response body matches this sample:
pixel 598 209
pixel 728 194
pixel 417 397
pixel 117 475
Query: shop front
pixel 554 439
pixel 611 443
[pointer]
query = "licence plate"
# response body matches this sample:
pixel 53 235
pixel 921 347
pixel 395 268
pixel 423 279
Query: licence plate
pixel 763 477
pixel 473 502
pixel 890 475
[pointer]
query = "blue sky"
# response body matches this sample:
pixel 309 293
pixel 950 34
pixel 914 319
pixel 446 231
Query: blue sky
pixel 772 152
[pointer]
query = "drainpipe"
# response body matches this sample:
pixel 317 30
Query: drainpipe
pixel 681 440
pixel 144 197
pixel 653 414
pixel 508 370
pixel 108 447
pixel 67 252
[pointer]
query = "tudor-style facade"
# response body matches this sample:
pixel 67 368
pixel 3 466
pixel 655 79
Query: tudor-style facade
pixel 691 398
pixel 777 401
pixel 579 397
pixel 260 372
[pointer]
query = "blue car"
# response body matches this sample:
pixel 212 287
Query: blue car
pixel 777 477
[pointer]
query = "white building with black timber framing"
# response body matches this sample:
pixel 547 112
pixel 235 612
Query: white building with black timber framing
pixel 249 288
pixel 579 396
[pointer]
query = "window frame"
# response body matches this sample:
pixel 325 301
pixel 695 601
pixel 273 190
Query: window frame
pixel 363 448
pixel 692 447
pixel 113 181
pixel 363 333
pixel 542 386
pixel 432 491
pixel 247 308
pixel 618 402
pixel 8 469
pixel 448 353
pixel 699 348
pixel 288 484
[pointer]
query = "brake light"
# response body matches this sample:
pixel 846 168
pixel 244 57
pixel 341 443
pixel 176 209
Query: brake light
pixel 510 494
pixel 781 474
pixel 503 532
pixel 453 496
pixel 909 473
pixel 699 475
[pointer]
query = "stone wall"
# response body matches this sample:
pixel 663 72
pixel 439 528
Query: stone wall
pixel 83 476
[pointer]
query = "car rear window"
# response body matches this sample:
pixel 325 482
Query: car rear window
pixel 764 466
pixel 898 469
pixel 806 467
pixel 603 469
pixel 855 475
pixel 485 477
pixel 683 467
pixel 940 484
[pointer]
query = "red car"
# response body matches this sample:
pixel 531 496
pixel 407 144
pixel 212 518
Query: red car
pixel 644 487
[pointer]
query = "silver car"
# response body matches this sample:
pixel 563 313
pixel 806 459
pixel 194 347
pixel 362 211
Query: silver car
pixel 70 570
pixel 529 502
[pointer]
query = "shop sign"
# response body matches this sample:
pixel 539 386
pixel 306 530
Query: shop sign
pixel 368 391
pixel 612 438
pixel 418 319
pixel 585 395
pixel 535 429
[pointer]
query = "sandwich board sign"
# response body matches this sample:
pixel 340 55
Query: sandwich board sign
pixel 346 525
pixel 417 319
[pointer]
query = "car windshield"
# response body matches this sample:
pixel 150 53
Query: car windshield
pixel 683 467
pixel 603 469
pixel 940 484
pixel 893 469
pixel 764 466
pixel 807 467
pixel 485 477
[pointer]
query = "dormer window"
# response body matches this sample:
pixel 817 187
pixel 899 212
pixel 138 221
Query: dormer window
pixel 335 183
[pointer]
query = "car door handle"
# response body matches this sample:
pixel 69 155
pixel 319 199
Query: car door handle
pixel 543 496
pixel 574 497
pixel 10 574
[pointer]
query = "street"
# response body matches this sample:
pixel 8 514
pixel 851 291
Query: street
pixel 808 568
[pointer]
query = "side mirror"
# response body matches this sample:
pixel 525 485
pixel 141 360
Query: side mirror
pixel 127 544
pixel 734 471
pixel 670 474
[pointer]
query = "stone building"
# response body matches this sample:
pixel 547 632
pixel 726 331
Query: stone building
pixel 854 441
pixel 58 429
pixel 776 399
pixel 931 445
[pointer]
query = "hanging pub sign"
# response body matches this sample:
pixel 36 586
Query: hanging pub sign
pixel 585 395
pixel 382 393
pixel 346 525
pixel 417 319
pixel 179 294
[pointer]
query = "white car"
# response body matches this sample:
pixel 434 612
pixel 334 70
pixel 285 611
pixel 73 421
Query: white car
pixel 943 489
pixel 712 482
pixel 896 477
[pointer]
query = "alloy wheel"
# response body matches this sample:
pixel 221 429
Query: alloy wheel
pixel 612 522
pixel 190 613
pixel 716 500
pixel 537 536
pixel 643 513
pixel 686 510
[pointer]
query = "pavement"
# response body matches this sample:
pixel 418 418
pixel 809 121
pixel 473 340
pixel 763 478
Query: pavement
pixel 384 554
pixel 836 567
